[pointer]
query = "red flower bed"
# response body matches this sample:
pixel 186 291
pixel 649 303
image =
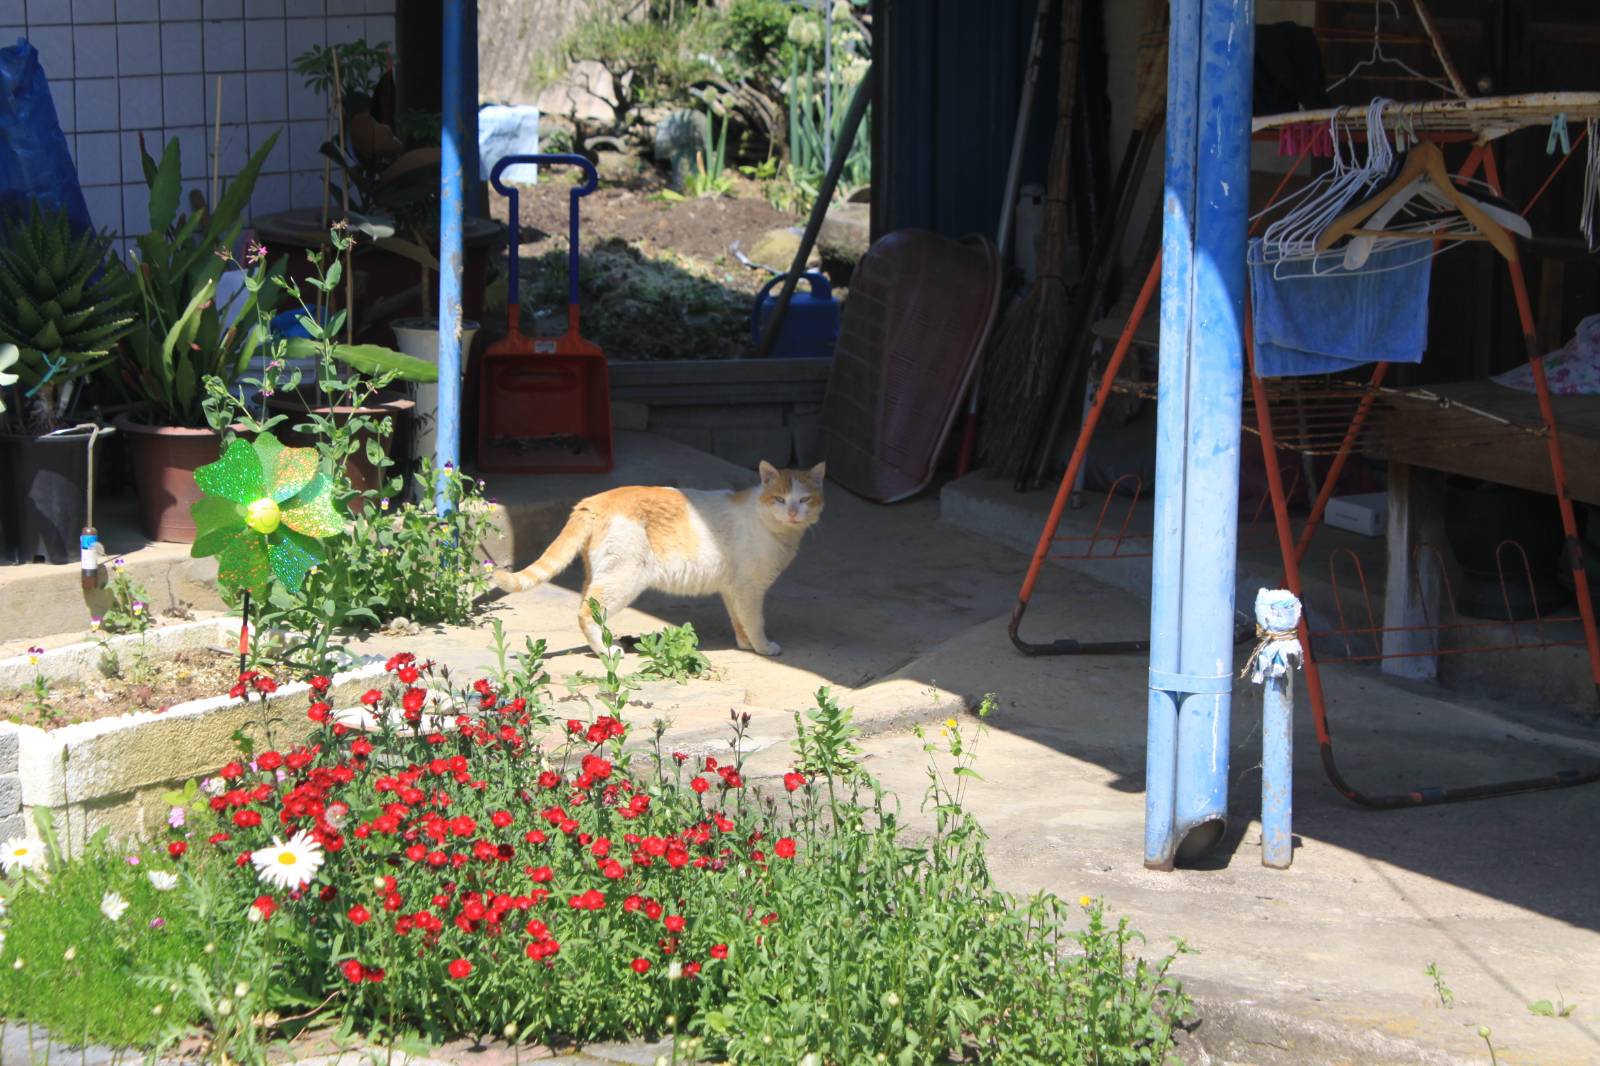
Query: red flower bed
pixel 463 877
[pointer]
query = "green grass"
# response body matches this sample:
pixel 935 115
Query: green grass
pixel 65 966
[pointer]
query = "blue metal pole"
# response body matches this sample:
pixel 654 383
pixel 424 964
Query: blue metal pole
pixel 1272 665
pixel 447 446
pixel 1210 51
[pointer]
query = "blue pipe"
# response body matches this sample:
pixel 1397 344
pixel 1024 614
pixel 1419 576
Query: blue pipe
pixel 447 446
pixel 1205 214
pixel 471 179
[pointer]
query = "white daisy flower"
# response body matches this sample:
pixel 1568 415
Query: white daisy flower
pixel 163 880
pixel 288 865
pixel 18 854
pixel 113 906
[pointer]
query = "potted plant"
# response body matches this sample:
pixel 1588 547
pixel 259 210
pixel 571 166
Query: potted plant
pixel 64 304
pixel 387 162
pixel 185 337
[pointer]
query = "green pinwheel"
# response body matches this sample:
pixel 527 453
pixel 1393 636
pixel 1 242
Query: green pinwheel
pixel 264 509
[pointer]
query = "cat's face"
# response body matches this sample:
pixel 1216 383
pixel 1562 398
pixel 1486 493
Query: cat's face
pixel 791 498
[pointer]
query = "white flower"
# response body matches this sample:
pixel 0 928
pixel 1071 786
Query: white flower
pixel 289 865
pixel 163 880
pixel 71 953
pixel 113 906
pixel 17 854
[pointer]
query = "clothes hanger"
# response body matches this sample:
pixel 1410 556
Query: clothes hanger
pixel 1422 189
pixel 1425 161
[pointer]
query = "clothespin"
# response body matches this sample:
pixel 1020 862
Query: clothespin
pixel 1558 134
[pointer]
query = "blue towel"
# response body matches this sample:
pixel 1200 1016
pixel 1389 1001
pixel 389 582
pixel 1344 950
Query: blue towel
pixel 1318 318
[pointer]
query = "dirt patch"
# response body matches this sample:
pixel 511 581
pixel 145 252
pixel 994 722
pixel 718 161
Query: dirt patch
pixel 136 684
pixel 658 279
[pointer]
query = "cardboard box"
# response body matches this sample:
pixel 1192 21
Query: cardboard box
pixel 1367 513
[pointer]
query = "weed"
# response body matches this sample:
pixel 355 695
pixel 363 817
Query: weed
pixel 1483 1034
pixel 1447 998
pixel 673 654
pixel 1559 1009
pixel 129 609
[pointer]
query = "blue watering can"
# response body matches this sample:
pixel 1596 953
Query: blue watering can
pixel 810 325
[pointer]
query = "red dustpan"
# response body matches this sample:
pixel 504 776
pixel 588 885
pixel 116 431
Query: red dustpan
pixel 544 402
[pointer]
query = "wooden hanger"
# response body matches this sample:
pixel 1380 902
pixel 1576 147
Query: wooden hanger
pixel 1424 161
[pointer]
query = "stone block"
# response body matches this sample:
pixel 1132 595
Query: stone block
pixel 717 417
pixel 13 825
pixel 694 437
pixel 10 795
pixel 748 447
pixel 806 431
pixel 8 748
pixel 625 415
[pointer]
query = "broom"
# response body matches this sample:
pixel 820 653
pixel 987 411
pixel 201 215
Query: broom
pixel 1035 326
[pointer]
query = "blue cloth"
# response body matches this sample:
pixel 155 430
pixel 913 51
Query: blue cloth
pixel 1315 317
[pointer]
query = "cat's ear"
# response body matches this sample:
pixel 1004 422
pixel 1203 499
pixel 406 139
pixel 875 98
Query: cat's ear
pixel 768 472
pixel 819 472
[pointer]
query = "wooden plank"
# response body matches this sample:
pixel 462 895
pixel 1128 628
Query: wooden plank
pixel 1457 440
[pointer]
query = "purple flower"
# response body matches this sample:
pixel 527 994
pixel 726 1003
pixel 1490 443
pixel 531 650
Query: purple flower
pixel 177 817
pixel 133 860
pixel 157 923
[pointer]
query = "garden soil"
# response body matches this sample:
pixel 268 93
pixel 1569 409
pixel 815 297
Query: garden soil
pixel 658 278
pixel 191 674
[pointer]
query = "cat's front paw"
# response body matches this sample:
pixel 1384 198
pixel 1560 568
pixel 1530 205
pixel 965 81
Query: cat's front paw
pixel 771 647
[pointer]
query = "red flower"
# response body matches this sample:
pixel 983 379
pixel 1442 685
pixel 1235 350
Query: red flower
pixel 178 847
pixel 269 760
pixel 784 848
pixel 398 660
pixel 652 910
pixel 674 923
pixel 792 781
pixel 699 784
pixel 238 690
pixel 574 726
pixel 549 779
pixel 264 907
pixel 359 915
pixel 613 870
pixel 408 675
pixel 361 746
pixel 460 969
pixel 691 969
pixel 371 697
pixel 375 973
pixel 231 771
pixel 413 699
pixel 321 684
pixel 501 819
pixel 246 819
pixel 641 966
pixel 353 971
pixel 318 712
pixel 214 838
pixel 719 951
pixel 680 758
pixel 266 684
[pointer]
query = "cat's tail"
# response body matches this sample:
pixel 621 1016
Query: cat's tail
pixel 556 558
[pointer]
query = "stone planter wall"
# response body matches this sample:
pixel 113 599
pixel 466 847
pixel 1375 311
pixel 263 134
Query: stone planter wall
pixel 741 410
pixel 113 772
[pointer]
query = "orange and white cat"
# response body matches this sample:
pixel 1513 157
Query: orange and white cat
pixel 688 542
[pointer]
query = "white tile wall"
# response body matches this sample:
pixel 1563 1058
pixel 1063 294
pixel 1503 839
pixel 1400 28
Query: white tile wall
pixel 119 68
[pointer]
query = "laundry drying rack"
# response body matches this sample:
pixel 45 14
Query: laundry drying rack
pixel 1336 419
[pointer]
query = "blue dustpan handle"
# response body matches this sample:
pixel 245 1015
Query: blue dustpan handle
pixel 591 183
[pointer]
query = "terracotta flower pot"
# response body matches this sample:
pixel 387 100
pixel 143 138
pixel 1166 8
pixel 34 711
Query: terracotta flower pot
pixel 44 490
pixel 164 460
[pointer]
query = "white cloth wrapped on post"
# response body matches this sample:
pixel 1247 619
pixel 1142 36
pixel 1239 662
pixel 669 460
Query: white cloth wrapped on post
pixel 1277 649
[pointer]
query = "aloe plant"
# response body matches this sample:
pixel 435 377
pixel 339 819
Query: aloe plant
pixel 181 259
pixel 63 305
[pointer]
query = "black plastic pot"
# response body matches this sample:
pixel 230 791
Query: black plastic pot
pixel 44 496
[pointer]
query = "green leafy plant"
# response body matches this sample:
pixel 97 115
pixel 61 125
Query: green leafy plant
pixel 129 608
pixel 64 305
pixel 672 654
pixel 360 66
pixel 1559 1009
pixel 1447 998
pixel 709 178
pixel 185 337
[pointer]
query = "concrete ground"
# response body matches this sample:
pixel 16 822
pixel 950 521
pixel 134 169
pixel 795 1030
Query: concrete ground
pixel 905 617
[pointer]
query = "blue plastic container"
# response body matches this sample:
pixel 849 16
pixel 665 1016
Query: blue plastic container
pixel 810 325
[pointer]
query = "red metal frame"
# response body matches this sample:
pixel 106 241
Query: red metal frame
pixel 1293 548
